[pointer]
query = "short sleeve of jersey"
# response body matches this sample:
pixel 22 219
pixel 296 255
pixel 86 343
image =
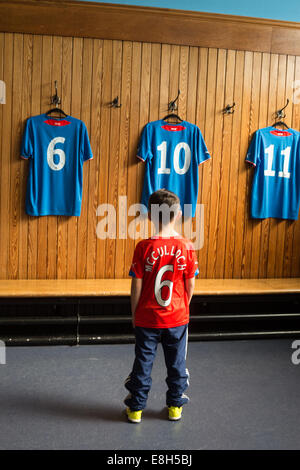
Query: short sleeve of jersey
pixel 253 150
pixel 202 154
pixel 191 269
pixel 86 150
pixel 137 266
pixel 144 148
pixel 27 141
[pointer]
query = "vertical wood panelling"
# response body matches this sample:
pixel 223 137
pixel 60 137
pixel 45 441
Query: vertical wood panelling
pixel 94 175
pixel 105 153
pixel 14 206
pixel 134 131
pixel 295 268
pixel 26 111
pixel 230 247
pixel 205 195
pixel 216 151
pixel 5 145
pixel 114 155
pixel 145 76
pixel 36 84
pixel 76 100
pixel 123 160
pixel 242 208
pixel 86 117
pixel 225 176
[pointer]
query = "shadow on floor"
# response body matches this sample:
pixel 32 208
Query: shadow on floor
pixel 60 407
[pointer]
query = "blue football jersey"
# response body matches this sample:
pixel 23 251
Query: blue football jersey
pixel 172 153
pixel 275 154
pixel 56 149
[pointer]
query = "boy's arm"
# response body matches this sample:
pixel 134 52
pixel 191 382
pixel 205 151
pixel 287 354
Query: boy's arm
pixel 189 287
pixel 136 289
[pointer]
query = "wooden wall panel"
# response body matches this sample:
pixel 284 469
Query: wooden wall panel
pixel 137 23
pixel 145 76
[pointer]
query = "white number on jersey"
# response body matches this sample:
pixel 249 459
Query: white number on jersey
pixel 160 284
pixel 187 158
pixel 51 151
pixel 270 156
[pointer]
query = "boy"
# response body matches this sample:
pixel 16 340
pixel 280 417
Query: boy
pixel 163 274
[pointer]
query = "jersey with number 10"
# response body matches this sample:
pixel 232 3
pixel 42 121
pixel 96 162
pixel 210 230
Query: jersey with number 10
pixel 172 153
pixel 56 149
pixel 275 153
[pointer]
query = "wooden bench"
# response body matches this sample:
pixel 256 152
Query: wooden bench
pixel 121 287
pixel 93 311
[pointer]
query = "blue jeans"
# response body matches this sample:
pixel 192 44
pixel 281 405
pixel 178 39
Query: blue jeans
pixel 174 343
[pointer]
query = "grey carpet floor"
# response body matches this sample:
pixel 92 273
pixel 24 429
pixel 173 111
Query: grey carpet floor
pixel 243 395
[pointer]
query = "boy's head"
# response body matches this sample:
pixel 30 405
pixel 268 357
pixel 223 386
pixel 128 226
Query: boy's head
pixel 164 207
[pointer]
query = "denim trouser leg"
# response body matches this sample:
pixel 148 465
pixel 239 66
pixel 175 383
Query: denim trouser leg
pixel 174 343
pixel 139 381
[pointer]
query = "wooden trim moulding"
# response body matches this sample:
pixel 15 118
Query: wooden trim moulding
pixel 145 24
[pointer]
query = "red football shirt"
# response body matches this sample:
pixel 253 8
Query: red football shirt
pixel 163 264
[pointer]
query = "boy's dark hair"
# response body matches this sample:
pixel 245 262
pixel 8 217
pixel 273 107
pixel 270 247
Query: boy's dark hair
pixel 165 204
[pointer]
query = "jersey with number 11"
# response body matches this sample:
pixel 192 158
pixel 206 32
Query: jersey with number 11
pixel 56 149
pixel 275 154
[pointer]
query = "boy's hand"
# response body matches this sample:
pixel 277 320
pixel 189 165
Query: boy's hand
pixel 136 289
pixel 189 287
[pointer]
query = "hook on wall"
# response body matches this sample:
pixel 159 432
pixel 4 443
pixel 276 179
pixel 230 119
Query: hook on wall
pixel 115 103
pixel 279 113
pixel 229 109
pixel 55 99
pixel 172 106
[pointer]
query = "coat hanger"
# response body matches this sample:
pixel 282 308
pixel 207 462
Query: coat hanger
pixel 56 110
pixel 280 123
pixel 173 116
pixel 281 115
pixel 55 99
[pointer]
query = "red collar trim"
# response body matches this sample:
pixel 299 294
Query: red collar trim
pixel 280 133
pixel 173 127
pixel 56 123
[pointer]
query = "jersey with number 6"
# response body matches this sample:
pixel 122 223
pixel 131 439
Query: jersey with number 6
pixel 163 264
pixel 275 154
pixel 172 153
pixel 56 149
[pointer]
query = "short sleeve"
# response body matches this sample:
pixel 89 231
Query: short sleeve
pixel 144 151
pixel 86 150
pixel 27 141
pixel 202 154
pixel 191 269
pixel 137 266
pixel 253 151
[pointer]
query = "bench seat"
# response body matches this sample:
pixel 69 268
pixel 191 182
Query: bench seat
pixel 121 287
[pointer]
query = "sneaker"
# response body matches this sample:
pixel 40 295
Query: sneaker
pixel 134 416
pixel 175 413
